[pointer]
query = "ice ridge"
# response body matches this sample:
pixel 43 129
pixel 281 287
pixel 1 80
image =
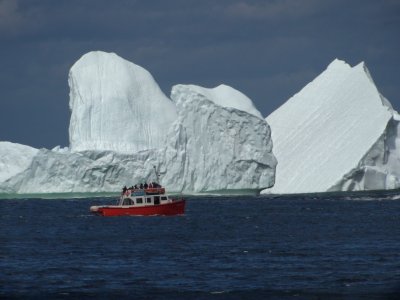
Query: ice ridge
pixel 324 131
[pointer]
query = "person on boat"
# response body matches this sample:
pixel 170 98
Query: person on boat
pixel 150 185
pixel 145 185
pixel 156 185
pixel 141 186
pixel 135 187
pixel 124 189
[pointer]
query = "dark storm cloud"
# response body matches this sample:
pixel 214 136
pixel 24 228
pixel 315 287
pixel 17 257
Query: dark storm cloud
pixel 266 49
pixel 9 18
pixel 274 10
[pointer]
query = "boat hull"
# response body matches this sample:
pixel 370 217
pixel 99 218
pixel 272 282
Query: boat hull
pixel 168 209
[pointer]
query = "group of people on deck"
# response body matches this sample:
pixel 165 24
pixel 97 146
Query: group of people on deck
pixel 145 186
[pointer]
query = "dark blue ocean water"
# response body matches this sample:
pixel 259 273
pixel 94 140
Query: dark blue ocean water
pixel 331 246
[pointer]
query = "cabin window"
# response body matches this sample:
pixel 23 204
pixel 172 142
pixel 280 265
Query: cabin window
pixel 163 198
pixel 139 200
pixel 148 200
pixel 127 201
pixel 156 200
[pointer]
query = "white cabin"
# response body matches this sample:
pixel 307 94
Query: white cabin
pixel 144 200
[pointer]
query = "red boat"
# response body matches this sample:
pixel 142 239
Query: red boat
pixel 143 202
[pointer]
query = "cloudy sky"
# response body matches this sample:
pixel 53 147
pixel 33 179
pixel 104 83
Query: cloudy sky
pixel 267 49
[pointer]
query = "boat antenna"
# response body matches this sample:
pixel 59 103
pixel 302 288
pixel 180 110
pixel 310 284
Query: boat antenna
pixel 157 174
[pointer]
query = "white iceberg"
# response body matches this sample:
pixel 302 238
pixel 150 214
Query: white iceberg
pixel 332 135
pixel 14 158
pixel 216 148
pixel 122 126
pixel 81 172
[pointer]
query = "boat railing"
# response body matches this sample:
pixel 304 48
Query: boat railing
pixel 143 192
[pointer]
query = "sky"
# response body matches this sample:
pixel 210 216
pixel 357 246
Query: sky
pixel 268 50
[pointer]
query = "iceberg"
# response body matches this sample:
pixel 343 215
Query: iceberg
pixel 337 133
pixel 52 171
pixel 123 127
pixel 217 148
pixel 14 158
pixel 116 105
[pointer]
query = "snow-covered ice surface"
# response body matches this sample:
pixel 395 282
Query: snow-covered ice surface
pixel 116 105
pixel 14 158
pixel 216 148
pixel 226 96
pixel 331 129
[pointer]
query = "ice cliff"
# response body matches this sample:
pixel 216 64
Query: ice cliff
pixel 337 133
pixel 122 125
pixel 116 105
pixel 216 148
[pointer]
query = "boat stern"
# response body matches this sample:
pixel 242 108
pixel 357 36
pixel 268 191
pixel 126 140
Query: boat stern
pixel 95 209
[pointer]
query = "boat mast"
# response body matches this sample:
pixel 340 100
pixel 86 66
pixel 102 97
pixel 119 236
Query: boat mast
pixel 157 174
